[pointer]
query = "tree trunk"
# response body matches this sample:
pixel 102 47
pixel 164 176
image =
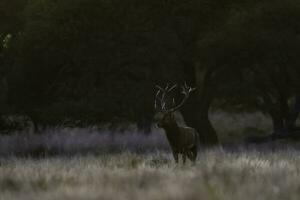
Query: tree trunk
pixel 2 123
pixel 279 112
pixel 208 134
pixel 293 115
pixel 277 122
pixel 197 110
pixel 37 126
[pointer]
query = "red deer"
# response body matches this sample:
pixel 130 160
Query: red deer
pixel 183 140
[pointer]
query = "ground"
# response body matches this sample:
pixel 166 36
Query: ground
pixel 90 164
pixel 218 174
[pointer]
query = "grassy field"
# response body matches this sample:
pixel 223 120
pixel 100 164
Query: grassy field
pixel 218 174
pixel 78 163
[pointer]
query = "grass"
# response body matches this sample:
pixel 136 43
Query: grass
pixel 218 174
pixel 231 128
pixel 88 164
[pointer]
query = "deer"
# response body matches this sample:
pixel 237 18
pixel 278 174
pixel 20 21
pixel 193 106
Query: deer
pixel 182 140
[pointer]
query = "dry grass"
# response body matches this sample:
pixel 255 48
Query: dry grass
pixel 217 175
pixel 231 128
pixel 82 166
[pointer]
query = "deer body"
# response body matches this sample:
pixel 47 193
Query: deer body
pixel 183 140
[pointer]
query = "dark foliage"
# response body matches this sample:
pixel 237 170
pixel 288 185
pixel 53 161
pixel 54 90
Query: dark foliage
pixel 83 62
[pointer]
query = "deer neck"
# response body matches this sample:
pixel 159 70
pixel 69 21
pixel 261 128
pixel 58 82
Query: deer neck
pixel 172 131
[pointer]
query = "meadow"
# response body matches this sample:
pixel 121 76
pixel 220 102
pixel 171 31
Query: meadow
pixel 93 164
pixel 218 174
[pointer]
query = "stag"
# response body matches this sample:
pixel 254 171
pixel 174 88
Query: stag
pixel 183 140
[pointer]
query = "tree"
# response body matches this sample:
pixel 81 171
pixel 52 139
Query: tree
pixel 92 61
pixel 187 22
pixel 261 39
pixel 11 23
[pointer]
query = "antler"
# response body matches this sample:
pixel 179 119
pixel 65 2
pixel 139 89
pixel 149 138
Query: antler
pixel 162 92
pixel 186 90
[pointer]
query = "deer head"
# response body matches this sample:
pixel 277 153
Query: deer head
pixel 165 113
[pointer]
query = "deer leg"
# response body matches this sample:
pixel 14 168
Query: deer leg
pixel 190 155
pixel 194 152
pixel 184 156
pixel 175 155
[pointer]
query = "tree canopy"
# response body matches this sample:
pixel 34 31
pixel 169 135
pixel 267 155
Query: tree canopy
pixel 81 62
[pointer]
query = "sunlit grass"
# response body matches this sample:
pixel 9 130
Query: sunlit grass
pixel 217 175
